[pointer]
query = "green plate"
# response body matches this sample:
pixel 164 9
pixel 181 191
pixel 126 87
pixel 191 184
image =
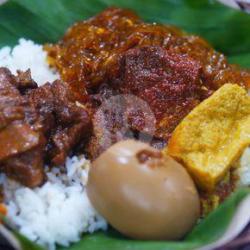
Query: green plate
pixel 226 29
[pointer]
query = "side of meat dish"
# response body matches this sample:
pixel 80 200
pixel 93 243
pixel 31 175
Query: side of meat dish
pixel 38 126
pixel 116 52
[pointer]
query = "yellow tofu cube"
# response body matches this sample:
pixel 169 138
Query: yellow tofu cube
pixel 213 135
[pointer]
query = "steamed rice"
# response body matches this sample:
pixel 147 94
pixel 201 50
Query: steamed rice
pixel 243 169
pixel 59 211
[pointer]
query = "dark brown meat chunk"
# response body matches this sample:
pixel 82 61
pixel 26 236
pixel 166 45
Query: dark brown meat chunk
pixel 169 83
pixel 73 123
pixel 64 123
pixel 27 168
pixel 37 125
pixel 110 126
pixel 16 138
pixel 21 143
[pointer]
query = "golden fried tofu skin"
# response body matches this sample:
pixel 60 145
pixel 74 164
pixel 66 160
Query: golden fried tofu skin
pixel 213 135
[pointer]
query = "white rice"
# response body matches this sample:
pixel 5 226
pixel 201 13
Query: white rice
pixel 243 169
pixel 28 55
pixel 59 211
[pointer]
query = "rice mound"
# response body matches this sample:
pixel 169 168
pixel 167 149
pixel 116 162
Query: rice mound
pixel 58 212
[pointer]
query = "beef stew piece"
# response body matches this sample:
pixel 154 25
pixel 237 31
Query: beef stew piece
pixel 168 82
pixel 20 140
pixel 64 122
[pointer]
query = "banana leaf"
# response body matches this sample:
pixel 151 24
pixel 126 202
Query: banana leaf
pixel 47 20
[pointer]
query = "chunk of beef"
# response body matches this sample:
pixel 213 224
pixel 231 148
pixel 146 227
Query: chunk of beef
pixel 42 99
pixel 27 168
pixel 17 137
pixel 21 144
pixel 73 123
pixel 64 123
pixel 168 82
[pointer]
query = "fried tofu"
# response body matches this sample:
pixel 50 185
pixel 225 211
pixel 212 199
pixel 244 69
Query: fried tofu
pixel 213 135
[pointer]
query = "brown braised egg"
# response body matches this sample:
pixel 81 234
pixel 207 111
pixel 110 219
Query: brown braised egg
pixel 143 194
